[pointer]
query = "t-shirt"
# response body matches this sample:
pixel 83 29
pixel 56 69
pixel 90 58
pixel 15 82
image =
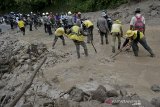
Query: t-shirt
pixel 116 28
pixel 59 31
pixel 20 24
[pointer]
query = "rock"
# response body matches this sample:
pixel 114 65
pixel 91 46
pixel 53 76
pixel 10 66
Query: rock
pixel 2 85
pixel 76 94
pixel 154 13
pixel 112 93
pixel 155 88
pixel 27 105
pixel 55 79
pixel 92 103
pixel 60 102
pixel 74 104
pixel 99 94
pixel 156 101
pixel 123 92
pixel 26 56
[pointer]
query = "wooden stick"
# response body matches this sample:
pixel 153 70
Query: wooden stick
pixel 27 85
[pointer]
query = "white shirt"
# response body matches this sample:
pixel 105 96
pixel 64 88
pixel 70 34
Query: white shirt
pixel 134 19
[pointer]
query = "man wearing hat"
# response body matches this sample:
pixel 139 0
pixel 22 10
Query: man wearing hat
pixel 136 37
pixel 138 21
pixel 116 32
pixel 103 27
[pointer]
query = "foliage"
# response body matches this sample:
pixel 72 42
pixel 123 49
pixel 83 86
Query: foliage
pixel 58 5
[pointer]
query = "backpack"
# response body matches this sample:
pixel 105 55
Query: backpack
pixel 139 25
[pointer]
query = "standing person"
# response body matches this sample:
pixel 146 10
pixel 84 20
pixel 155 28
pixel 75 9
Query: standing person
pixel 57 18
pixel 79 20
pixel 88 25
pixel 59 33
pixel 77 35
pixel 109 20
pixel 45 22
pixel 48 23
pixel 116 32
pixel 136 37
pixel 138 21
pixel 70 20
pixel 30 22
pixel 35 20
pixel 21 26
pixel 103 27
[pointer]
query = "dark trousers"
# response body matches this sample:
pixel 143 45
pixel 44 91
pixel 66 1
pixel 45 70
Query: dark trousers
pixel 45 28
pixel 56 38
pixel 23 30
pixel 30 27
pixel 83 44
pixel 49 29
pixel 102 36
pixel 143 42
pixel 90 36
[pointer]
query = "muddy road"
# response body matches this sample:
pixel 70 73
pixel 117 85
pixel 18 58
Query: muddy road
pixel 138 74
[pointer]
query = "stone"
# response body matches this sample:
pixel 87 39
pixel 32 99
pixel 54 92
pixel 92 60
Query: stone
pixel 156 101
pixel 155 88
pixel 27 105
pixel 154 13
pixel 2 85
pixel 99 94
pixel 123 92
pixel 112 93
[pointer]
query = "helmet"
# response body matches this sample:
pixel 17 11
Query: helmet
pixel 47 13
pixel 129 33
pixel 69 13
pixel 103 14
pixel 43 14
pixel 28 15
pixel 79 12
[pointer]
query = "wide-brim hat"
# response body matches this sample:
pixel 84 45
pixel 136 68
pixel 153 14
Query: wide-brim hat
pixel 138 10
pixel 117 21
pixel 129 33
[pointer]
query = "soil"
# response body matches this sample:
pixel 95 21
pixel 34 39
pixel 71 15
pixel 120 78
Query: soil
pixel 63 70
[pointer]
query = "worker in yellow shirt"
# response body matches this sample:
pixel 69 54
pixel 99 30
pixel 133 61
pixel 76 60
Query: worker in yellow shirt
pixel 77 35
pixel 88 26
pixel 59 33
pixel 136 37
pixel 116 32
pixel 21 25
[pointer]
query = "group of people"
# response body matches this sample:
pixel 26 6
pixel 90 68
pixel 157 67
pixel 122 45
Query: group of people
pixel 77 28
pixel 135 35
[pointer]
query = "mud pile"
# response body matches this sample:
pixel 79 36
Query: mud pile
pixel 18 60
pixel 101 97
